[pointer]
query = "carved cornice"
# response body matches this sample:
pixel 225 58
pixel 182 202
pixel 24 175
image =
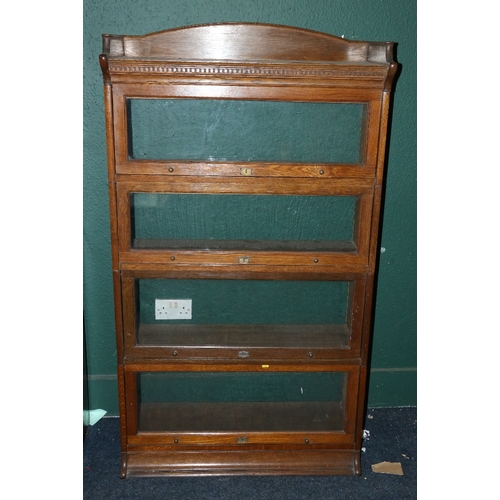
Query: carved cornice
pixel 238 70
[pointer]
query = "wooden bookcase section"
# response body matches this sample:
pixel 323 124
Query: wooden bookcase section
pixel 246 166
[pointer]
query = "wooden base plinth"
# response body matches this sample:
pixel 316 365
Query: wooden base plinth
pixel 254 462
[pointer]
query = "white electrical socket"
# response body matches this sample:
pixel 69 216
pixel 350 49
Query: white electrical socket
pixel 173 309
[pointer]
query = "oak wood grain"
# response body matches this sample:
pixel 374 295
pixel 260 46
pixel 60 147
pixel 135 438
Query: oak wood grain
pixel 251 62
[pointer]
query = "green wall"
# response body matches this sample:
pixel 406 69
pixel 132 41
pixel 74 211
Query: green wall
pixel 393 368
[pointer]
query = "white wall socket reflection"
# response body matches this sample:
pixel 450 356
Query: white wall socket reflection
pixel 173 309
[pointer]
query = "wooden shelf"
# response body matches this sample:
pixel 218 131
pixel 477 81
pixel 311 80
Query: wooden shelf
pixel 244 336
pixel 241 417
pixel 244 245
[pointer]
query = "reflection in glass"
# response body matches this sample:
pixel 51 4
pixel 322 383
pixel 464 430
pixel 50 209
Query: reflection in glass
pixel 238 130
pixel 214 401
pixel 247 222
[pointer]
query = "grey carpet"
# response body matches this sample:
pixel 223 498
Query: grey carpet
pixel 392 438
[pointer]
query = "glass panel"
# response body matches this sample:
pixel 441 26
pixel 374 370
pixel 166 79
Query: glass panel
pixel 211 402
pixel 245 222
pixel 237 130
pixel 245 313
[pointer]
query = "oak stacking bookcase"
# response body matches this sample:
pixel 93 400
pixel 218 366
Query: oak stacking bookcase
pixel 246 170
